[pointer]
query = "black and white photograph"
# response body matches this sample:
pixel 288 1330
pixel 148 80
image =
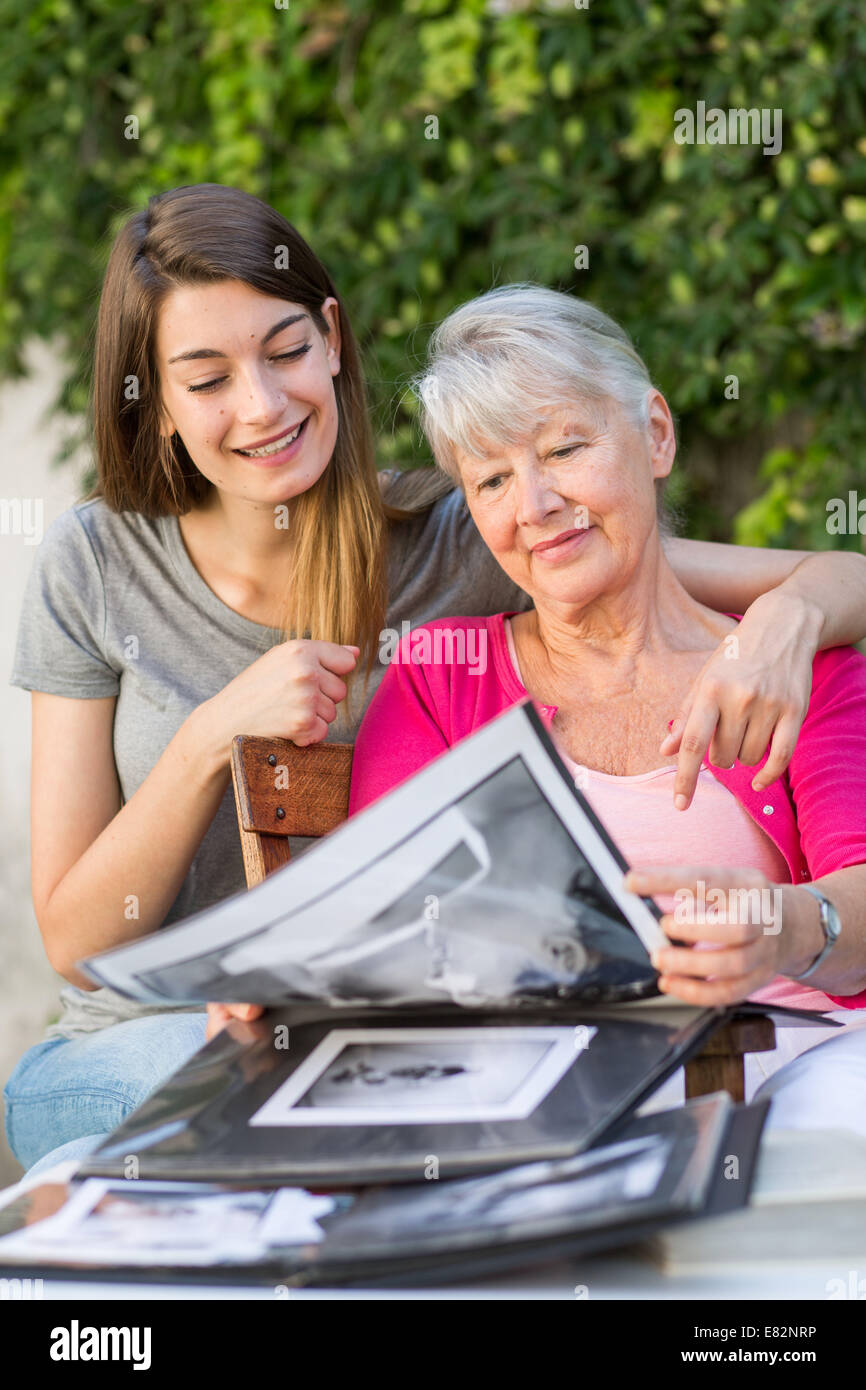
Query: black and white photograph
pixel 286 961
pixel 424 1076
pixel 141 1223
pixel 476 928
pixel 432 894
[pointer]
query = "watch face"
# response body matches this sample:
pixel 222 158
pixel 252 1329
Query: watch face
pixel 832 922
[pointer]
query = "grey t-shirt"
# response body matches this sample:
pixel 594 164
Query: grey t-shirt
pixel 115 607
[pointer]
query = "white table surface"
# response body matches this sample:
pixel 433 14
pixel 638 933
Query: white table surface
pixel 624 1275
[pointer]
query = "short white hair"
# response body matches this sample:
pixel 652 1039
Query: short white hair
pixel 502 363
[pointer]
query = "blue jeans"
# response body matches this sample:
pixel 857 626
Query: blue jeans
pixel 70 1092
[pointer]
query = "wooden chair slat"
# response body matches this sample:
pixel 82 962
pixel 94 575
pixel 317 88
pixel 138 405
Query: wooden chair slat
pixel 285 790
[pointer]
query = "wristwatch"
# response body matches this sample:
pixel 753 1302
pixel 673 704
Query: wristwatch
pixel 830 924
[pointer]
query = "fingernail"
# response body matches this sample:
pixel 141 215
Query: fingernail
pixel 680 801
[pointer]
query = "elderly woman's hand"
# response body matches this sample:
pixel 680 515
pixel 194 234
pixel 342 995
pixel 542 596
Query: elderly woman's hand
pixel 737 916
pixel 753 691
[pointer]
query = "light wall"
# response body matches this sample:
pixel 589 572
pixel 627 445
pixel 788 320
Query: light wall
pixel 28 441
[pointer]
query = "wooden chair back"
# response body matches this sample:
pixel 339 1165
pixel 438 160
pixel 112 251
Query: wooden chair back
pixel 282 790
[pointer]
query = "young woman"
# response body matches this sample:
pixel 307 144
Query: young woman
pixel 238 504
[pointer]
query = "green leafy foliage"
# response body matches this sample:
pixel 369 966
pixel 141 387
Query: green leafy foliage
pixel 553 128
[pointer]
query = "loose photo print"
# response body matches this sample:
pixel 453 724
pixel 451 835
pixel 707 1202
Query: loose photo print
pixel 424 1076
pixel 141 1223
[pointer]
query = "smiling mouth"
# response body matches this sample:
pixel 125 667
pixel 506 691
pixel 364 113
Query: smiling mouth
pixel 276 446
pixel 561 539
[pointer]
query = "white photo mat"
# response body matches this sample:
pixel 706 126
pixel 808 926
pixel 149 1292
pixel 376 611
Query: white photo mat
pixel 520 1067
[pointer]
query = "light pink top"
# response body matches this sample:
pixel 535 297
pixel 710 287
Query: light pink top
pixel 640 814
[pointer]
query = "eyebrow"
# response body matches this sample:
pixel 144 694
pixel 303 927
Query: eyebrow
pixel 197 353
pixel 576 424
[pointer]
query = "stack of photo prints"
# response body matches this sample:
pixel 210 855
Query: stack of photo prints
pixel 462 1021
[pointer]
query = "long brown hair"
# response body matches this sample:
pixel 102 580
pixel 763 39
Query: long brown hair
pixel 200 234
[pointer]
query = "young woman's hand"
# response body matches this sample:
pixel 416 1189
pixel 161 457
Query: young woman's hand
pixel 750 930
pixel 291 692
pixel 753 691
pixel 218 1015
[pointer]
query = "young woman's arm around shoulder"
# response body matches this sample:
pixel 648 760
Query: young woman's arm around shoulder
pixel 794 604
pixel 731 578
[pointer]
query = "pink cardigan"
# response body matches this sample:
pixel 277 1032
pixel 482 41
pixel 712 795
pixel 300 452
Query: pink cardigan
pixel 815 813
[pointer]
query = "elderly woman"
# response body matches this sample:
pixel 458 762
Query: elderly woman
pixel 542 410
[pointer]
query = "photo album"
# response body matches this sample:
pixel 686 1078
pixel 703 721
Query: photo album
pixel 455 972
pixel 651 1174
